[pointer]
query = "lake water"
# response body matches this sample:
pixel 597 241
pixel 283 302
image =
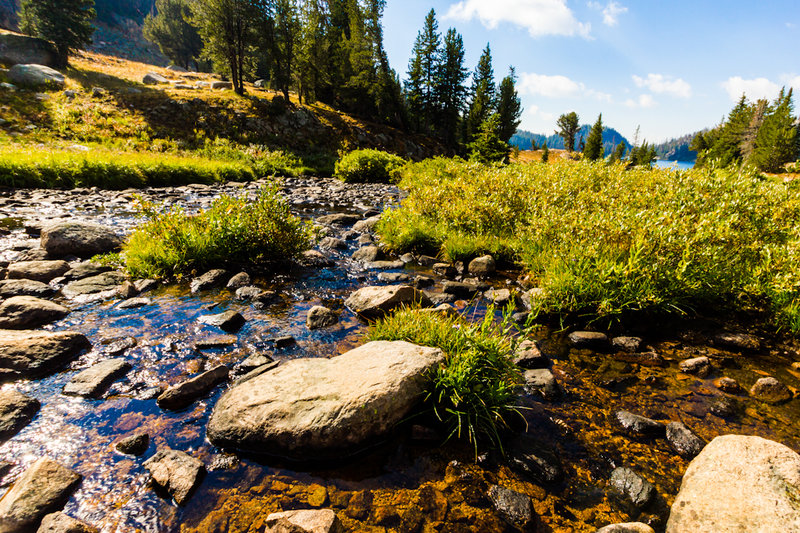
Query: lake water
pixel 680 165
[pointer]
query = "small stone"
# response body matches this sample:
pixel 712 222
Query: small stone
pixel 304 521
pixel 152 78
pixel 499 297
pixel 254 294
pixel 699 366
pixel 528 456
pixel 176 472
pixel 216 342
pixel 639 426
pixel 588 339
pixel 542 382
pixel 62 523
pixel 242 279
pixel 134 445
pixel 184 393
pixel 339 219
pixel 376 301
pixel 460 289
pixel 127 290
pixel 683 440
pixel 737 341
pixel 729 385
pixel 528 355
pixel 446 270
pixel 366 254
pixel 514 507
pixel 771 390
pixel 120 346
pixel 628 527
pixel 482 267
pixel 144 285
pixel 223 462
pixel 285 341
pixel 209 280
pixel 229 321
pixel 320 317
pixel 317 495
pixel 725 407
pixel 332 243
pixel 637 489
pixel 627 344
pixel 134 303
pixel 641 358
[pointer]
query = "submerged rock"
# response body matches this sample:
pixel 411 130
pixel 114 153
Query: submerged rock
pixel 184 393
pixel 43 271
pixel 35 353
pixel 742 342
pixel 176 472
pixel 541 381
pixel 42 489
pixel 79 238
pixel 739 483
pixel 303 521
pixel 94 381
pixel 627 344
pixel 683 440
pixel 315 407
pixel 699 366
pixel 639 426
pixel 24 312
pixel 529 456
pixel 634 487
pixel 16 412
pixel 588 339
pixel 771 390
pixel 516 508
pixel 376 301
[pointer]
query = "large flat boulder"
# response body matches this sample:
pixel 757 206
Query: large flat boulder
pixel 106 282
pixel 79 238
pixel 25 353
pixel 43 271
pixel 42 489
pixel 739 483
pixel 24 287
pixel 376 301
pixel 94 381
pixel 35 76
pixel 315 407
pixel 16 411
pixel 15 49
pixel 24 312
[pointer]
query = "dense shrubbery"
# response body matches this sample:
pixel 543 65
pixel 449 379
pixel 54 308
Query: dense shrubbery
pixel 474 392
pixel 368 166
pixel 232 231
pixel 603 241
pixel 34 167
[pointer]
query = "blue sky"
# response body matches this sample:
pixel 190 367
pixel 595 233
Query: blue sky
pixel 670 66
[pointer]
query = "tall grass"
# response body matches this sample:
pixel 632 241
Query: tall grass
pixel 473 393
pixel 604 242
pixel 234 231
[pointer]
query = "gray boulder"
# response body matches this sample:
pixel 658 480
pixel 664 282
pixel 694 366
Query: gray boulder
pixel 482 267
pixel 320 317
pixel 367 254
pixel 103 285
pixel 542 382
pixel 739 483
pixel 153 78
pixel 42 489
pixel 515 507
pixel 528 355
pixel 35 353
pixel 634 487
pixel 639 426
pixel 683 440
pixel 229 321
pixel 770 390
pixel 176 472
pixel 94 381
pixel 210 280
pixel 37 76
pixel 24 287
pixel 220 85
pixel 79 238
pixel 85 270
pixel 588 339
pixel 23 312
pixel 62 523
pixel 376 301
pixel 16 412
pixel 43 271
pixel 315 407
pixel 242 279
pixel 304 521
pixel 16 49
pixel 184 393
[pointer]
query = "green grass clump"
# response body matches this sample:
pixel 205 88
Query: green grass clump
pixel 233 231
pixel 604 242
pixel 32 166
pixel 368 166
pixel 473 393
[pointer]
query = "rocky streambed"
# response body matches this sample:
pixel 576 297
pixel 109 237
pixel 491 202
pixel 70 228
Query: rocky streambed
pixel 132 405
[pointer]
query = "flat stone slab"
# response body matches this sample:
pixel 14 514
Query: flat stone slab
pixel 314 407
pixel 376 301
pixel 94 381
pixel 105 282
pixel 176 472
pixel 83 239
pixel 25 353
pixel 24 287
pixel 184 393
pixel 42 489
pixel 24 312
pixel 16 412
pixel 43 271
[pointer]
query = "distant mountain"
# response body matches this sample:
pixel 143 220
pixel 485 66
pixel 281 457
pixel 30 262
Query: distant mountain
pixel 525 139
pixel 677 149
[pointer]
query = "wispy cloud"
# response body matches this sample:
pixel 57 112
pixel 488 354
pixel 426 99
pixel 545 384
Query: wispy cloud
pixel 644 101
pixel 611 11
pixel 556 87
pixel 539 17
pixel 661 84
pixel 754 89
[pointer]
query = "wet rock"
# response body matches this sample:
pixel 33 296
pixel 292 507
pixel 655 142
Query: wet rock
pixel 254 294
pixel 85 270
pixel 134 445
pixel 366 225
pixel 42 489
pixel 528 456
pixel 62 523
pixel 127 290
pixel 394 277
pixel 43 271
pixel 303 521
pixel 253 362
pixel 516 508
pixel 36 353
pixel 638 490
pixel 699 366
pixel 737 341
pixel 95 380
pixel 242 279
pixel 639 426
pixel 376 301
pixel 498 296
pixel 317 495
pixel 320 317
pixel 16 412
pixel 460 289
pixel 542 382
pixel 332 243
pixel 257 371
pixel 627 344
pixel 134 303
pixel 683 440
pixel 119 346
pixel 229 321
pixel 24 287
pixel 441 299
pixel 215 342
pixel 24 312
pixel 739 483
pixel 771 390
pixel 338 219
pixel 184 393
pixel 285 341
pixel 210 280
pixel 35 76
pixel 628 527
pixel 314 258
pixel 725 407
pixel 384 265
pixel 588 339
pixel 102 283
pixel 482 267
pixel 176 472
pixel 641 358
pixel 359 505
pixel 446 270
pixel 223 462
pixel 79 238
pixel 315 407
pixel 145 285
pixel 367 254
pixel 729 385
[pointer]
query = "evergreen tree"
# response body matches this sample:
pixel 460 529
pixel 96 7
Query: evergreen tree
pixel 450 90
pixel 618 153
pixel 284 44
pixel 487 146
pixel 67 23
pixel 581 144
pixel 423 71
pixel 594 142
pixel 777 140
pixel 509 106
pixel 545 153
pixel 482 95
pixel 170 29
pixel 568 128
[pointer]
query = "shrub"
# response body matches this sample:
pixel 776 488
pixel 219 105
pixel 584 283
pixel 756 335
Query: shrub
pixel 368 166
pixel 233 231
pixel 474 393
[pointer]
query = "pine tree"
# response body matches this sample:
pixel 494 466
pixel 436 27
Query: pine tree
pixel 568 128
pixel 777 141
pixel 450 90
pixel 545 153
pixel 285 43
pixel 618 153
pixel 423 71
pixel 594 142
pixel 509 106
pixel 487 146
pixel 482 92
pixel 67 23
pixel 171 30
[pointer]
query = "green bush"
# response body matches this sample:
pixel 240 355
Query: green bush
pixel 368 166
pixel 474 393
pixel 234 231
pixel 35 167
pixel 604 242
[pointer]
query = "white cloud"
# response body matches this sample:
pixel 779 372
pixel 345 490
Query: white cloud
pixel 644 101
pixel 660 84
pixel 791 81
pixel 556 87
pixel 539 17
pixel 754 89
pixel 611 12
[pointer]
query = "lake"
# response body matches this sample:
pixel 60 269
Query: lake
pixel 680 165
